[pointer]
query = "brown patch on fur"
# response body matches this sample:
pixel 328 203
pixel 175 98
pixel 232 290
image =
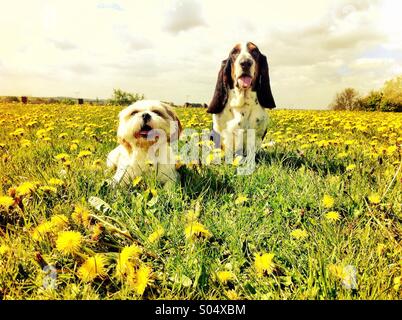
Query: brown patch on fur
pixel 256 74
pixel 144 143
pixel 251 46
pixel 237 47
pixel 125 144
pixel 233 55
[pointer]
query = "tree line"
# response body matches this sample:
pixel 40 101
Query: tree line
pixel 387 99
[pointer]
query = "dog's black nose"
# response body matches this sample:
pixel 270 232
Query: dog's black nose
pixel 246 64
pixel 146 117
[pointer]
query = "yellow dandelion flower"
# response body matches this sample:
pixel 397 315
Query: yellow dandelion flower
pixel 59 222
pixel 42 230
pixel 93 268
pixel 73 147
pixel 225 276
pixel 350 167
pixel 380 249
pixel 149 163
pixel 374 198
pixel 55 182
pixel 350 142
pixel 25 143
pixel 48 189
pixel 153 192
pixel 41 133
pixel 67 164
pixel 332 216
pixel 84 154
pixel 336 270
pixel 391 150
pixel 69 242
pixel 196 230
pixel 150 191
pixel 342 155
pixel 241 199
pixel 299 234
pixel 97 231
pixel 232 295
pixel 345 273
pixel 264 264
pixel 327 201
pixel 127 259
pixel 137 180
pixel 237 160
pixel 4 249
pixel 97 162
pixel 156 235
pixel 31 123
pixel 210 158
pixel 62 157
pixel 139 280
pixel 25 189
pixel 397 283
pixel 6 202
pixel 81 216
pixel 63 135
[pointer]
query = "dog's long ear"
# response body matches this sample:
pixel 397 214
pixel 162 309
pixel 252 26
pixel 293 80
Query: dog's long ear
pixel 120 139
pixel 263 87
pixel 174 116
pixel 223 85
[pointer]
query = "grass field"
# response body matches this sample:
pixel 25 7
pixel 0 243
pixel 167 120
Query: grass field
pixel 320 218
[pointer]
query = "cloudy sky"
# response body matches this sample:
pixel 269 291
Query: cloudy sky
pixel 171 50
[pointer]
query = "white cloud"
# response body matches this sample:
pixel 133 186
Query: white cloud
pixel 171 50
pixel 184 15
pixel 63 44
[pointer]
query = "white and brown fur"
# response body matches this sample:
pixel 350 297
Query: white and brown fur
pixel 235 108
pixel 132 157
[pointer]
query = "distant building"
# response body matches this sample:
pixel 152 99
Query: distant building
pixel 195 105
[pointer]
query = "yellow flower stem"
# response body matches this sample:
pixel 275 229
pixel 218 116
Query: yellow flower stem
pixel 392 181
pixel 87 250
pixel 381 225
pixel 114 229
pixel 124 233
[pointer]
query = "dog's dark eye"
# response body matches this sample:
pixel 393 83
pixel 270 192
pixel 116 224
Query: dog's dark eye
pixel 134 113
pixel 159 113
pixel 254 53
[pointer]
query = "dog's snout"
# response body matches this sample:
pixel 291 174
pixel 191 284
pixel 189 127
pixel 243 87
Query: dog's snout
pixel 246 64
pixel 146 117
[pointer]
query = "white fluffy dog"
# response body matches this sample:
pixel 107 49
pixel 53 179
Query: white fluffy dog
pixel 145 131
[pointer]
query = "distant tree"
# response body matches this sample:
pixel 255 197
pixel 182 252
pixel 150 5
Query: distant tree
pixel 123 98
pixel 52 101
pixel 348 99
pixel 371 102
pixel 68 101
pixel 10 99
pixel 392 95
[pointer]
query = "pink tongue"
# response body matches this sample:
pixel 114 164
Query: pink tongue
pixel 144 133
pixel 245 82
